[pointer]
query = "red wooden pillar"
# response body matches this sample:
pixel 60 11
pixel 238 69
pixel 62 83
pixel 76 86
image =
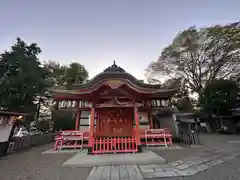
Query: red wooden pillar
pixel 98 125
pixel 91 130
pixel 77 120
pixel 136 116
pixel 150 119
pixel 77 116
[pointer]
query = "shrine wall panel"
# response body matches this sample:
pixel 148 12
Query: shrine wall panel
pixel 84 124
pixel 115 122
pixel 85 118
pixel 84 128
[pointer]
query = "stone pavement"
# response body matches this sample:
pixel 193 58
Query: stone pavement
pixel 209 141
pixel 186 167
pixel 229 170
pixel 190 166
pixel 123 172
pixel 216 160
pixel 82 159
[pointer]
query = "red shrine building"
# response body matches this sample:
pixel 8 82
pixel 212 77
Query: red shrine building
pixel 114 109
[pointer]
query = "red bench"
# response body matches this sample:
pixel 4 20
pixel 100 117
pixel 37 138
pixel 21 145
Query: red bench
pixel 158 137
pixel 69 140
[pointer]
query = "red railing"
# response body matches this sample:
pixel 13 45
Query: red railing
pixel 114 145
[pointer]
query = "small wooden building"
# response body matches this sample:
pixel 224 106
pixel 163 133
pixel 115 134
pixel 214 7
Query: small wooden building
pixel 113 106
pixel 7 122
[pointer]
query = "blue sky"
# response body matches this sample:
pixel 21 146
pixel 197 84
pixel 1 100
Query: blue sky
pixel 96 32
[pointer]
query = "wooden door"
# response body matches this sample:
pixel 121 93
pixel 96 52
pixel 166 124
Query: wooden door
pixel 115 122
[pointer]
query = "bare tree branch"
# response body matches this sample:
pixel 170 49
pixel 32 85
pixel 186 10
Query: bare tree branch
pixel 200 56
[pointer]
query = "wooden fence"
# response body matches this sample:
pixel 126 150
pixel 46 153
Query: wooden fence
pixel 20 143
pixel 114 145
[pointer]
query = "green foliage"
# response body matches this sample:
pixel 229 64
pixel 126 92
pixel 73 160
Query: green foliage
pixel 43 125
pixel 76 73
pixel 23 80
pixel 219 97
pixel 65 121
pixel 199 56
pixel 184 104
pixel 181 99
pixel 66 75
pixel 56 73
pixel 26 79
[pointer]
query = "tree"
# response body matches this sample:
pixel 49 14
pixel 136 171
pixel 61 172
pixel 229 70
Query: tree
pixel 219 97
pixel 199 56
pixel 66 75
pixel 153 81
pixel 181 99
pixel 76 73
pixel 25 77
pixel 57 73
pixel 65 121
pixel 61 76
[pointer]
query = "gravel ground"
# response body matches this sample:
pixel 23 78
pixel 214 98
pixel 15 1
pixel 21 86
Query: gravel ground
pixel 32 165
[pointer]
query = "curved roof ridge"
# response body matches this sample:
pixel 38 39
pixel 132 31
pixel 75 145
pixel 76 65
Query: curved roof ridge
pixel 114 71
pixel 114 68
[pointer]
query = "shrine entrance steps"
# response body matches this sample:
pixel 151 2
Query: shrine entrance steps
pixel 82 159
pixel 103 145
